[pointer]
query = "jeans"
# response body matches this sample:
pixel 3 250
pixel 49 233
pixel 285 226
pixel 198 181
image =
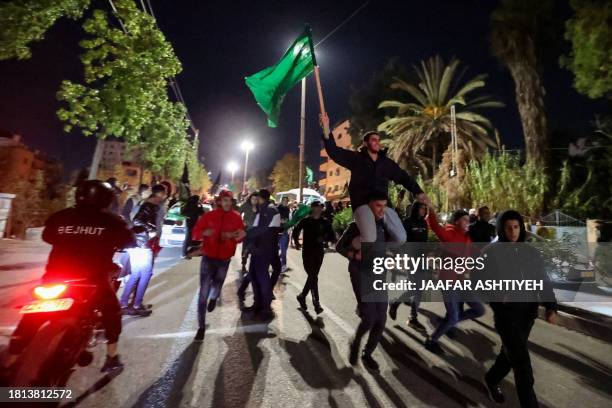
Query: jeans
pixel 373 319
pixel 212 275
pixel 312 264
pixel 455 314
pixel 261 281
pixel 283 243
pixel 514 355
pixel 367 225
pixel 141 261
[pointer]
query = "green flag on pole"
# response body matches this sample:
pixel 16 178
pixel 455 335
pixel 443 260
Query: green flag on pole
pixel 270 85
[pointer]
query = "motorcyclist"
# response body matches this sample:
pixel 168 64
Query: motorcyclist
pixel 84 239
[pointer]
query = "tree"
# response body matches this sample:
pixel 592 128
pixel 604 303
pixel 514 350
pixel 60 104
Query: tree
pixel 502 181
pixel 363 102
pixel 125 90
pixel 516 26
pixel 285 173
pixel 422 126
pixel 590 59
pixel 25 21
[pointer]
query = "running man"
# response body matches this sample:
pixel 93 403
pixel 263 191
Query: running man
pixel 220 231
pixel 317 233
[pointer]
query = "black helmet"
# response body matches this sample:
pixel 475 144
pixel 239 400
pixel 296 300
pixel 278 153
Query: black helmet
pixel 94 193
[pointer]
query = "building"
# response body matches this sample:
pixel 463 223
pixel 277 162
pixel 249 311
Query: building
pixel 335 178
pixel 121 162
pixel 20 162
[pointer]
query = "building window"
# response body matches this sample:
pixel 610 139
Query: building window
pixel 131 172
pixel 335 188
pixel 338 171
pixel 331 173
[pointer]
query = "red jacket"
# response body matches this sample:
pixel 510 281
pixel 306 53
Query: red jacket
pixel 220 221
pixel 450 234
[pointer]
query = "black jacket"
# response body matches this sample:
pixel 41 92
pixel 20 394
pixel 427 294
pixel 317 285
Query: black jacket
pixel 145 223
pixel 416 226
pixel 368 176
pixel 83 242
pixel 508 261
pixel 482 231
pixel 317 233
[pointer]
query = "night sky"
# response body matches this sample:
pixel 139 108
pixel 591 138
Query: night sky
pixel 219 43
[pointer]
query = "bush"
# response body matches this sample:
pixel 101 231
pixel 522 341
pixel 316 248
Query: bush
pixel 342 220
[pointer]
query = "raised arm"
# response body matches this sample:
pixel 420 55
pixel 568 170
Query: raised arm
pixel 432 221
pixel 343 157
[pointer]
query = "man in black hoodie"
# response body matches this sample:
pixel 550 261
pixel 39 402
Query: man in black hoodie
pixel 514 317
pixel 416 231
pixel 371 171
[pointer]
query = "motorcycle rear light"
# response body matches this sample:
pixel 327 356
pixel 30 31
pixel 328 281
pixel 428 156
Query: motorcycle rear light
pixel 179 223
pixel 49 291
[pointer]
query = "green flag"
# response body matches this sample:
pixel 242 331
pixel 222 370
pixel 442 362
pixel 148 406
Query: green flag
pixel 270 85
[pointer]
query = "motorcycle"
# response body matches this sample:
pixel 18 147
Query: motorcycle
pixel 67 324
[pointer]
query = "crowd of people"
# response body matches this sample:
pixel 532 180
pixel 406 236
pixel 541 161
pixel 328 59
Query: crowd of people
pixel 265 230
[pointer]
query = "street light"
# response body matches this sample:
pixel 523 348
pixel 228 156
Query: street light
pixel 247 146
pixel 232 167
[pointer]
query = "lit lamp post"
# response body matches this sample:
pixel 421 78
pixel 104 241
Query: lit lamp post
pixel 232 167
pixel 247 146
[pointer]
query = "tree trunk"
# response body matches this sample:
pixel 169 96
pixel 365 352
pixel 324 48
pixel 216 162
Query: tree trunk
pixel 530 102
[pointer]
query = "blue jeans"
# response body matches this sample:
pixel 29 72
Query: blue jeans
pixel 212 276
pixel 283 243
pixel 455 313
pixel 141 262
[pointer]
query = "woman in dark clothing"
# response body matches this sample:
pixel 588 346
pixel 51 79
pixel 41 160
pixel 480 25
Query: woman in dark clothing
pixel 514 319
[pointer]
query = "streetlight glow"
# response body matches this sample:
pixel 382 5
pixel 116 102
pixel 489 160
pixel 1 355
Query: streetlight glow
pixel 247 145
pixel 232 166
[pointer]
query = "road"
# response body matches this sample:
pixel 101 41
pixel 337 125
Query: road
pixel 300 359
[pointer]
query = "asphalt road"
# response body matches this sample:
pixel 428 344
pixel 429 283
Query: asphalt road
pixel 300 359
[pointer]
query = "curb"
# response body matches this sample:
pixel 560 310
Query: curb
pixel 585 322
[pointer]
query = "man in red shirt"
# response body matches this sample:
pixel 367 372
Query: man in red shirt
pixel 220 230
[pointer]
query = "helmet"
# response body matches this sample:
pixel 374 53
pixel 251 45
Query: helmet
pixel 94 193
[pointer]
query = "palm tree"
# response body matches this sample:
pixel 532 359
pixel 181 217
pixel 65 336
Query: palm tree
pixel 422 126
pixel 513 41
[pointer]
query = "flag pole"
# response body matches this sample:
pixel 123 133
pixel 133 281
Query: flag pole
pixel 316 71
pixel 302 140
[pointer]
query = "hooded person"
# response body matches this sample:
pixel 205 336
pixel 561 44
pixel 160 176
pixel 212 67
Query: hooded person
pixel 416 231
pixel 514 315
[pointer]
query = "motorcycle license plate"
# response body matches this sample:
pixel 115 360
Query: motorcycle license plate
pixel 43 306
